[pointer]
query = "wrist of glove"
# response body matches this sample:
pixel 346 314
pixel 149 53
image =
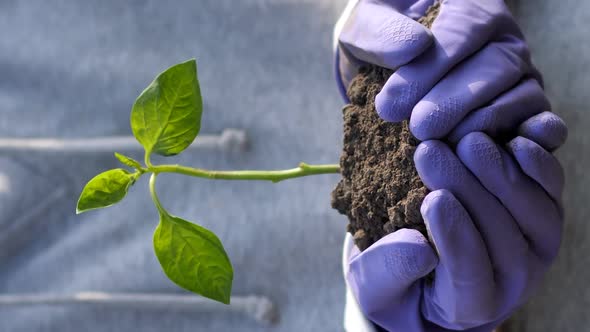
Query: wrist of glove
pixel 494 215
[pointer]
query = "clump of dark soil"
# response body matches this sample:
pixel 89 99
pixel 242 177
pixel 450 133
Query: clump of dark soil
pixel 380 191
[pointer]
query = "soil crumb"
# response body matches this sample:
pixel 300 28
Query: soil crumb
pixel 380 191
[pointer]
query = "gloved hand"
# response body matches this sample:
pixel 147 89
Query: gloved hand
pixel 494 217
pixel 478 54
pixel 379 33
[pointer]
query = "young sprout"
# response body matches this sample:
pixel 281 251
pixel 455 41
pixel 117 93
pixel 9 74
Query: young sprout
pixel 165 119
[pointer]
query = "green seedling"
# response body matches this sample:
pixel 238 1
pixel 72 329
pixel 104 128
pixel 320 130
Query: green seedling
pixel 165 119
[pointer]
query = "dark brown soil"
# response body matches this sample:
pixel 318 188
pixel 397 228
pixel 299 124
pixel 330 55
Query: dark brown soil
pixel 380 191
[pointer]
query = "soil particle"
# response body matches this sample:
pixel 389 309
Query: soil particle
pixel 380 191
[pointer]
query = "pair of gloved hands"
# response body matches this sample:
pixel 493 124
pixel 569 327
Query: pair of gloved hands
pixel 494 214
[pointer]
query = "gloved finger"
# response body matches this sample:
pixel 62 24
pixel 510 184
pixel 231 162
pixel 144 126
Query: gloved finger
pixel 473 84
pixel 378 34
pixel 439 168
pixel 539 165
pixel 463 292
pixel 547 129
pixel 384 277
pixel 505 113
pixel 459 31
pixel 535 213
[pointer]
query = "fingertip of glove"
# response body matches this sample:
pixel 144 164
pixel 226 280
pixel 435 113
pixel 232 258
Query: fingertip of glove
pixel 519 144
pixel 428 152
pixel 390 266
pixel 546 128
pixel 409 241
pixel 441 212
pixel 471 140
pixel 404 40
pixel 432 201
pixel 407 254
pixel 395 103
pixel 479 152
pixel 387 108
pixel 427 121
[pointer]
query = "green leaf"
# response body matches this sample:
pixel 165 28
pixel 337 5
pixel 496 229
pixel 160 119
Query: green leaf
pixel 193 258
pixel 166 117
pixel 105 189
pixel 128 161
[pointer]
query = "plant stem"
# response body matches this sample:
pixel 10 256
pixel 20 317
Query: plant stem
pixel 155 198
pixel 146 159
pixel 274 175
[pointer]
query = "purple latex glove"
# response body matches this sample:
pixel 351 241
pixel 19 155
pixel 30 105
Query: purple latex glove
pixel 509 111
pixel 495 220
pixel 381 34
pixel 478 54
